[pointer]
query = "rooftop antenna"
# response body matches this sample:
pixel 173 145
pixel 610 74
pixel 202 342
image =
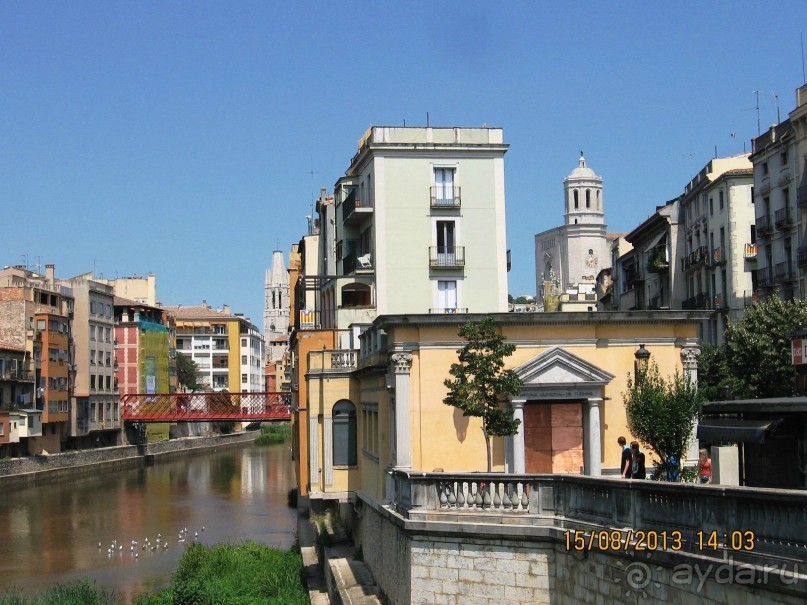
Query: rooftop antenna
pixel 759 131
pixel 427 119
pixel 776 100
pixel 311 173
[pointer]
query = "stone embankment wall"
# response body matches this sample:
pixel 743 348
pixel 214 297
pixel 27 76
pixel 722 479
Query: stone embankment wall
pixel 434 562
pixel 31 469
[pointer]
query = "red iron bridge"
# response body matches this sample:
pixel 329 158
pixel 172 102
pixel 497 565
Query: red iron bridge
pixel 206 407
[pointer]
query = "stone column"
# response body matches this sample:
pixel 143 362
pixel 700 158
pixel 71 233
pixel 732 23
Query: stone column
pixel 518 465
pixel 402 362
pixel 327 450
pixel 593 464
pixel 689 359
pixel 313 453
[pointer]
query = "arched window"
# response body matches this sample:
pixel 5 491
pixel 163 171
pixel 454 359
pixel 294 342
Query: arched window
pixel 576 203
pixel 588 198
pixel 344 434
pixel 356 295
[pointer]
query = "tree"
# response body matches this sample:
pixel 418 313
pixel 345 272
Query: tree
pixel 187 372
pixel 715 380
pixel 758 347
pixel 480 380
pixel 662 414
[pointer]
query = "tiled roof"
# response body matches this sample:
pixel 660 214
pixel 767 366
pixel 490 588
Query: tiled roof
pixel 183 312
pixel 7 346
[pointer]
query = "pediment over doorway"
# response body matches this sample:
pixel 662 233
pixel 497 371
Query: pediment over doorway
pixel 559 368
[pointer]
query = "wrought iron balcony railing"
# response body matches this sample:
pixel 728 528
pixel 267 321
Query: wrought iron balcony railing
pixel 446 256
pixel 443 196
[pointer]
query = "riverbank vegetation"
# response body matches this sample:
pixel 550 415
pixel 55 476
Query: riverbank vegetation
pixel 242 574
pixel 272 434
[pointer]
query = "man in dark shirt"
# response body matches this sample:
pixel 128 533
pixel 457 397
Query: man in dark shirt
pixel 627 459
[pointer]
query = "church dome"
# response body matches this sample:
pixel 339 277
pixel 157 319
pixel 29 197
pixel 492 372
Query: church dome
pixel 582 171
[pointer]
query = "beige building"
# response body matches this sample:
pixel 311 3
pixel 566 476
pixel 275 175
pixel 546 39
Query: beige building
pixel 717 216
pixel 95 413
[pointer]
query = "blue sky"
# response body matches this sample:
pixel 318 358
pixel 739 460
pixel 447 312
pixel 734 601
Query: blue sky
pixel 179 137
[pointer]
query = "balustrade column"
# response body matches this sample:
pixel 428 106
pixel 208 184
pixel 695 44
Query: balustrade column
pixel 593 464
pixel 518 439
pixel 689 359
pixel 403 425
pixel 327 450
pixel 313 453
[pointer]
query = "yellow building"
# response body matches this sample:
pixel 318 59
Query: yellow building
pixel 384 410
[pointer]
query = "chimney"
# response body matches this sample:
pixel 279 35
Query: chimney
pixel 50 273
pixel 226 309
pixel 204 303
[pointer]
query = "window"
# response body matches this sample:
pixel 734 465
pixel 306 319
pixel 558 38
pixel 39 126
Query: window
pixel 92 357
pixel 764 168
pixel 588 198
pixel 243 360
pixel 783 158
pixel 92 332
pixel 243 342
pixel 444 186
pixel 344 434
pixel 712 206
pixel 244 378
pixel 370 426
pixel 720 194
pixel 108 383
pixel 92 382
pixel 576 201
pixel 445 236
pixel 92 307
pixel 446 295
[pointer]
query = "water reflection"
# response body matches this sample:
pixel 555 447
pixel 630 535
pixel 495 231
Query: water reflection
pixel 52 532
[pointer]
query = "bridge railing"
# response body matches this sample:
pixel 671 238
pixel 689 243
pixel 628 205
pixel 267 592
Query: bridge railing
pixel 705 515
pixel 205 406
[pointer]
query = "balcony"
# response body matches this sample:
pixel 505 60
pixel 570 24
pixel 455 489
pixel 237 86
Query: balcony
pixel 784 271
pixel 802 261
pixel 750 252
pixel 447 256
pixel 448 311
pixel 16 376
pixel 719 303
pixel 331 361
pixel 445 196
pixel 696 258
pixel 750 297
pixel 699 301
pixel 764 226
pixel 783 219
pixel 357 206
pixel 718 256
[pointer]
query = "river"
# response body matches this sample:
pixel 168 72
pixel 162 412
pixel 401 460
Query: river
pixel 51 533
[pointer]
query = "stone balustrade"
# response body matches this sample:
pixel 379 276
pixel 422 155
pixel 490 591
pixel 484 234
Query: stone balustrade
pixel 777 518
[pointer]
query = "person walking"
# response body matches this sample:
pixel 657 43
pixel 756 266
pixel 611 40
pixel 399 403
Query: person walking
pixel 637 462
pixel 626 464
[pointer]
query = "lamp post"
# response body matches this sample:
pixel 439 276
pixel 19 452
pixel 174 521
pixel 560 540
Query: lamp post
pixel 642 357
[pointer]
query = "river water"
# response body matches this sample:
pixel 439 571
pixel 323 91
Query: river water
pixel 50 534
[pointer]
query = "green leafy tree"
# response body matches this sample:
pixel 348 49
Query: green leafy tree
pixel 662 414
pixel 715 380
pixel 479 380
pixel 187 372
pixel 758 347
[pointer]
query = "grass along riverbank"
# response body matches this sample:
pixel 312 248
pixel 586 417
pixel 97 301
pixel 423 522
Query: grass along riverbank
pixel 235 575
pixel 272 434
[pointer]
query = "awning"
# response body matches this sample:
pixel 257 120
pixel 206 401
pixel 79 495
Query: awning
pixel 735 430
